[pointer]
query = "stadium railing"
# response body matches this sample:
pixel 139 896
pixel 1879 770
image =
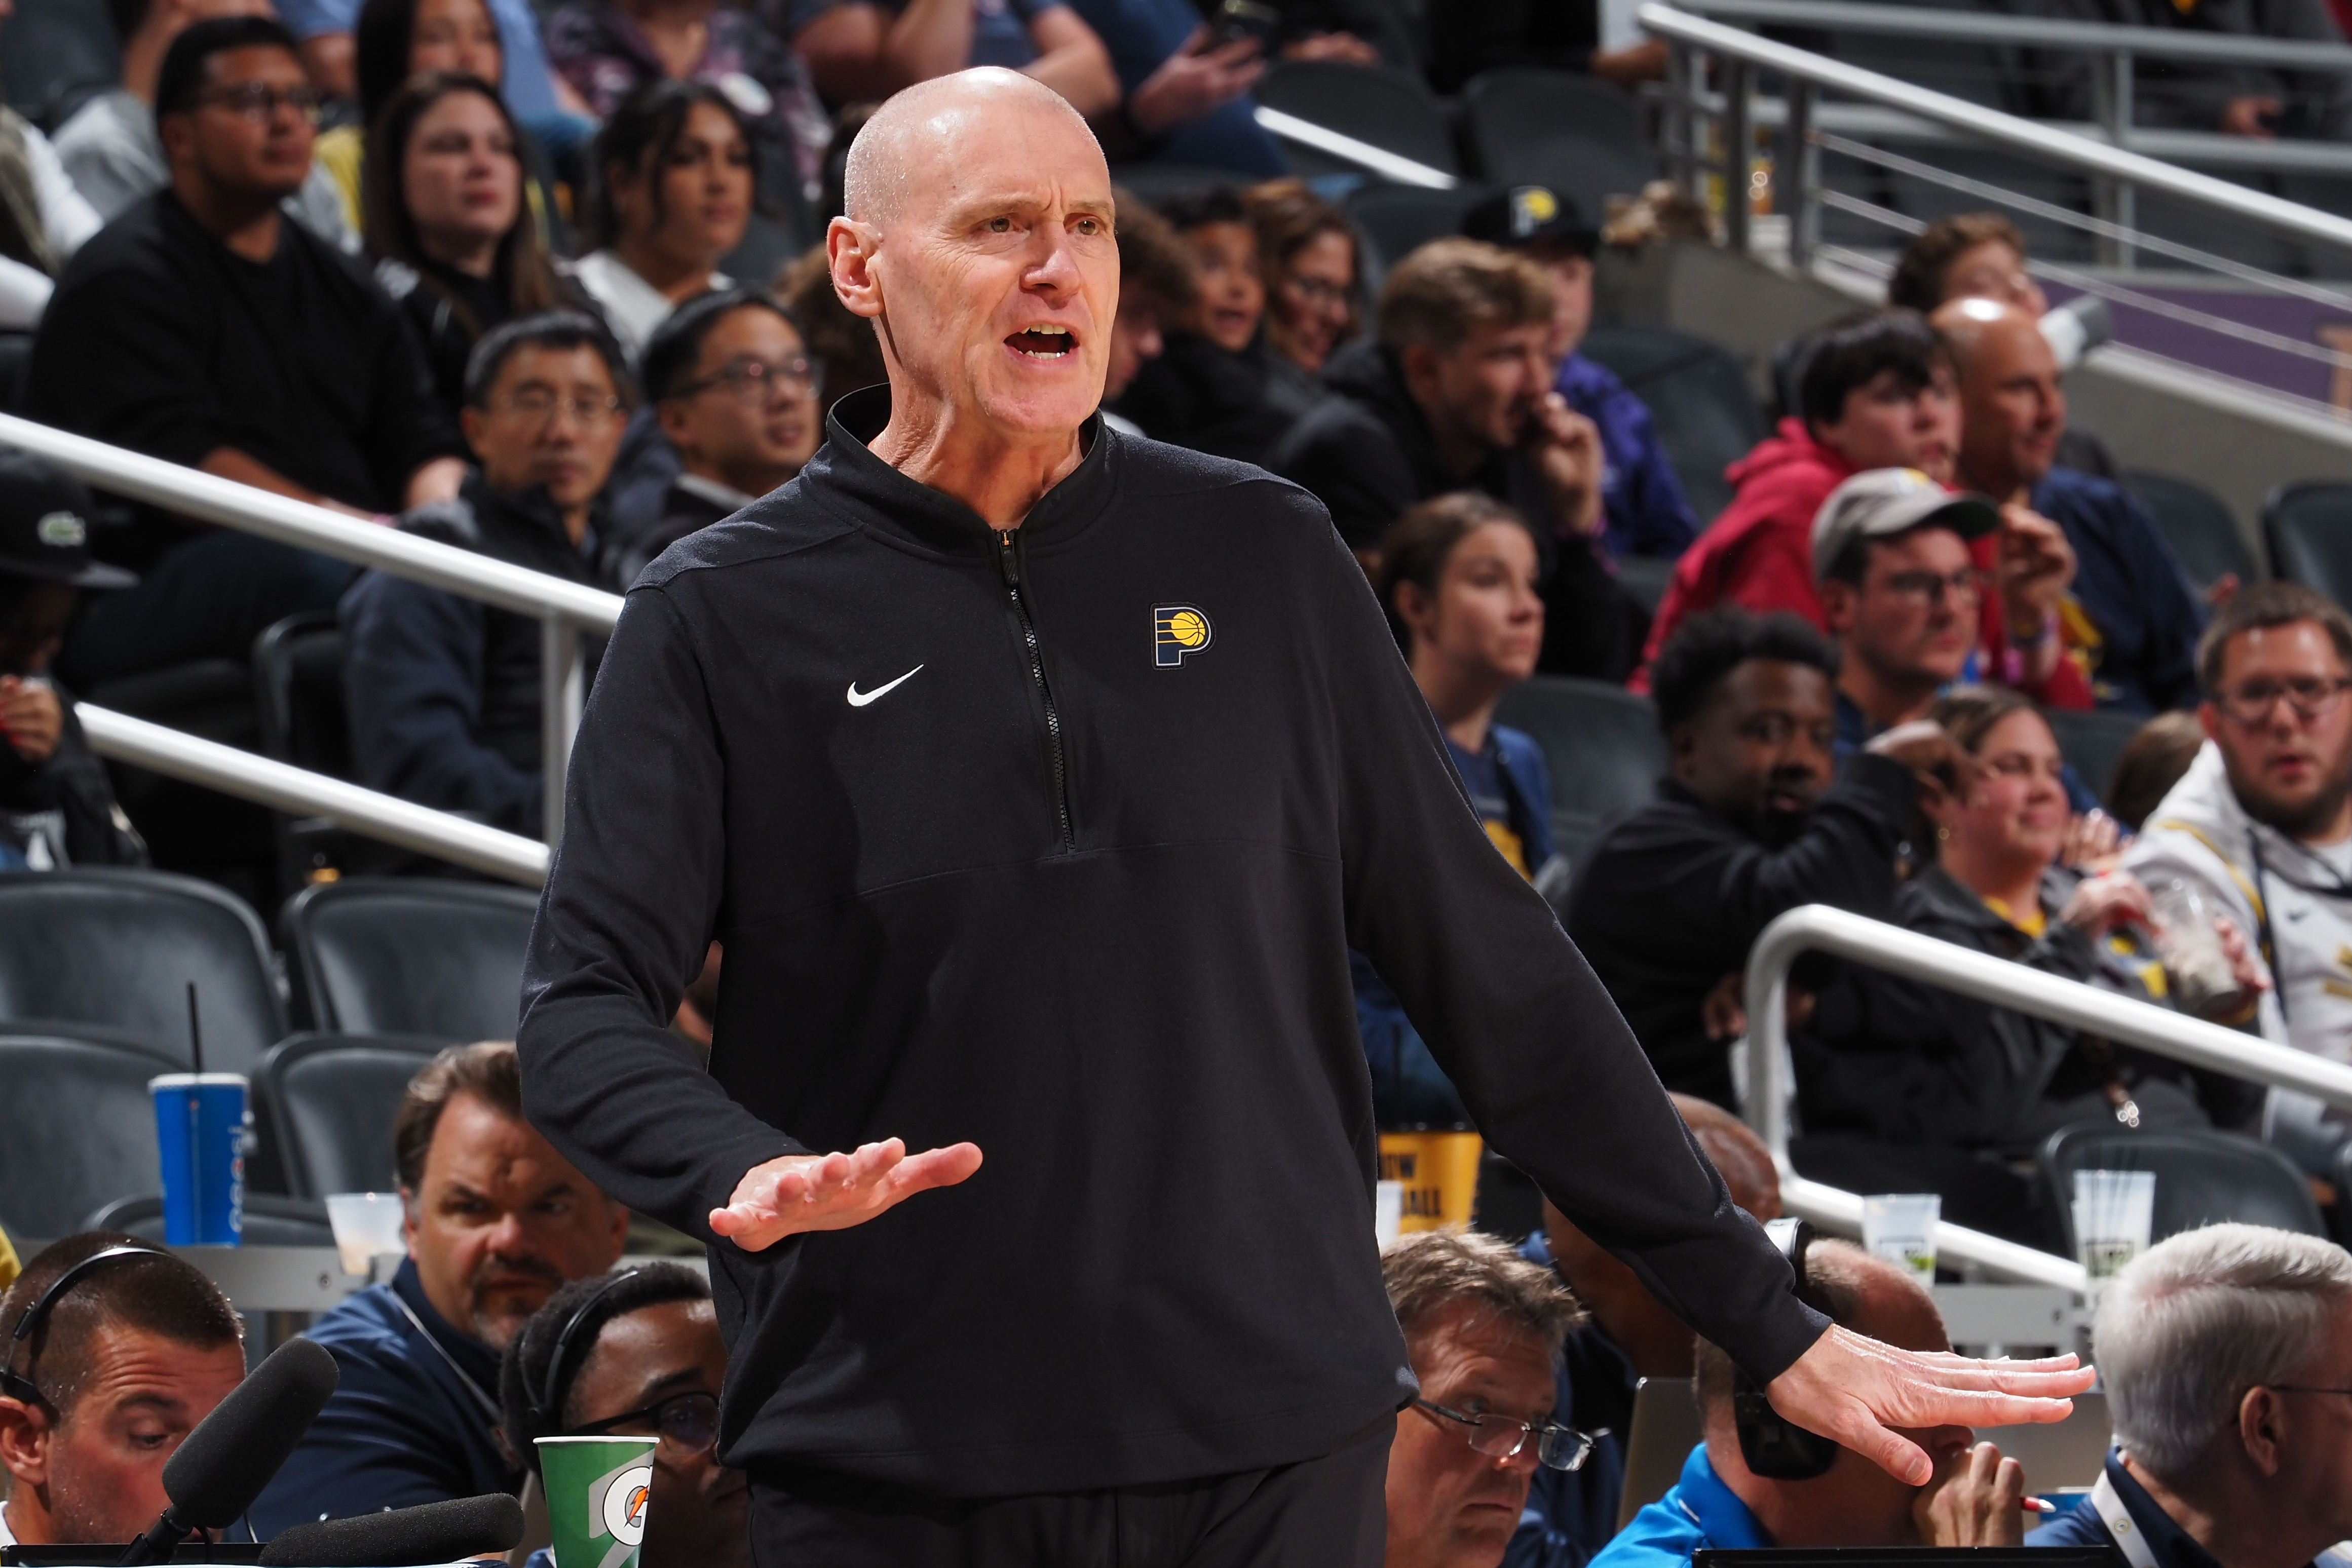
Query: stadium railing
pixel 1818 928
pixel 564 610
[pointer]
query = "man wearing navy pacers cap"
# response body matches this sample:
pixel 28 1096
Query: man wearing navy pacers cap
pixel 57 806
pixel 1642 499
pixel 998 869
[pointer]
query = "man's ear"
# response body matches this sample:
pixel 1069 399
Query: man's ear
pixel 670 414
pixel 1681 745
pixel 409 1208
pixel 1419 362
pixel 177 135
pixel 2261 1416
pixel 851 247
pixel 2210 719
pixel 471 421
pixel 24 1443
pixel 1837 597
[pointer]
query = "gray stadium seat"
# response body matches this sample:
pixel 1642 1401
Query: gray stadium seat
pixel 2308 526
pixel 2198 525
pixel 1574 134
pixel 60 54
pixel 2202 1176
pixel 270 1220
pixel 1391 110
pixel 408 956
pixel 1601 743
pixel 1396 220
pixel 76 1129
pixel 1698 395
pixel 326 1102
pixel 117 949
pixel 2092 741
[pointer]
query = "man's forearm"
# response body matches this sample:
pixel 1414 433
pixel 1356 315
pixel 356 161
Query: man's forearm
pixel 228 463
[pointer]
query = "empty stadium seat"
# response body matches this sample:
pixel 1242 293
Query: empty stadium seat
pixel 1393 111
pixel 2308 526
pixel 2202 1176
pixel 408 956
pixel 2092 742
pixel 1574 132
pixel 1155 182
pixel 270 1220
pixel 76 1129
pixel 1396 220
pixel 60 54
pixel 326 1102
pixel 2198 525
pixel 118 948
pixel 298 694
pixel 1601 743
pixel 1698 395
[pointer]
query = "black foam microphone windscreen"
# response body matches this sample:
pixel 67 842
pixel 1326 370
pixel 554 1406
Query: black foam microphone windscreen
pixel 428 1532
pixel 220 1468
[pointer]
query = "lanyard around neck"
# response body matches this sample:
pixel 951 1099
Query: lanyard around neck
pixel 2121 1528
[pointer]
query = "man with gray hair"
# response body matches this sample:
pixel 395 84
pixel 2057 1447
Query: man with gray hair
pixel 2227 1353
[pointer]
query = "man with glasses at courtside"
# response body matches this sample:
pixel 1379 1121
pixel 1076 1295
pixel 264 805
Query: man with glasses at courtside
pixel 2261 825
pixel 636 1353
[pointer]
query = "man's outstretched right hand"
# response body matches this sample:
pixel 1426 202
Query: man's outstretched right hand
pixel 833 1192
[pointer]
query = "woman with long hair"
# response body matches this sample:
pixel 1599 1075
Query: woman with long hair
pixel 447 221
pixel 1314 273
pixel 392 41
pixel 676 175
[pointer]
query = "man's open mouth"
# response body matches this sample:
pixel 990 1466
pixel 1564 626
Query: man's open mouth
pixel 1048 342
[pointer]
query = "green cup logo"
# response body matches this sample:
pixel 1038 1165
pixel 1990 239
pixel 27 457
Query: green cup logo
pixel 617 1502
pixel 597 1492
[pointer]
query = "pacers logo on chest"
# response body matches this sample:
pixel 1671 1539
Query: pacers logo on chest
pixel 1178 631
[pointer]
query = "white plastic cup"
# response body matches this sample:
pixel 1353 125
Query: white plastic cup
pixel 1900 1227
pixel 2197 972
pixel 367 1226
pixel 1388 1213
pixel 2115 1211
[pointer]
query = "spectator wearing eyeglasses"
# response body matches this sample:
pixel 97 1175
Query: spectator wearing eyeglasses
pixel 735 392
pixel 444 691
pixel 2261 825
pixel 202 328
pixel 1483 1328
pixel 636 1353
pixel 1976 1498
pixel 2226 1354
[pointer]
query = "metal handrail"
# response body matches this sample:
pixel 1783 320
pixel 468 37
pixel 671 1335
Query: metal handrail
pixel 564 608
pixel 1914 21
pixel 1816 927
pixel 285 788
pixel 1393 167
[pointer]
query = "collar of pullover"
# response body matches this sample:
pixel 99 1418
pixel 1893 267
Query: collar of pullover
pixel 886 500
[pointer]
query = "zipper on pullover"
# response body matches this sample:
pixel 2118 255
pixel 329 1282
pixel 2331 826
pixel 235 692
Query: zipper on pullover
pixel 1008 559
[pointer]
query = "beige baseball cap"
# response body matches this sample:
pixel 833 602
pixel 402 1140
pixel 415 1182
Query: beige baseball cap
pixel 1880 502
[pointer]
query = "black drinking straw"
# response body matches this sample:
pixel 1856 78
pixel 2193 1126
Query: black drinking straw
pixel 195 1029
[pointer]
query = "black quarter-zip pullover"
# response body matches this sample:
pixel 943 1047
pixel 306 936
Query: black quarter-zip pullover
pixel 1056 841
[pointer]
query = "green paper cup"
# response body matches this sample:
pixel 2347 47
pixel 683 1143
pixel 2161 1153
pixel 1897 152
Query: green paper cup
pixel 597 1490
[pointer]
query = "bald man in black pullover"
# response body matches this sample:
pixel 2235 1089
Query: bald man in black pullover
pixel 1037 780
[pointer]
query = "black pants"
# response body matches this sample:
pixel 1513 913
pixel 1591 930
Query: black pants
pixel 207 597
pixel 1330 1512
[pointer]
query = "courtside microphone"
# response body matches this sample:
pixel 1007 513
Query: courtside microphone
pixel 429 1533
pixel 221 1467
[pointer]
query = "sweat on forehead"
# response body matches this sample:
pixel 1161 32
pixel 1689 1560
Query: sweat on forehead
pixel 887 160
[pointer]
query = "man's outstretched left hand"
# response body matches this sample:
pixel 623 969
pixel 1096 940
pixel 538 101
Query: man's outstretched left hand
pixel 833 1192
pixel 1856 1390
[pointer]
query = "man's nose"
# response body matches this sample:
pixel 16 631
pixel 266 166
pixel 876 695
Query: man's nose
pixel 1055 271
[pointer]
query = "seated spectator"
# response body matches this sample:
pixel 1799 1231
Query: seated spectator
pixel 2261 825
pixel 848 354
pixel 2223 1351
pixel 1642 500
pixel 612 51
pixel 2259 102
pixel 202 328
pixel 1748 825
pixel 2130 620
pixel 1459 579
pixel 1156 286
pixel 1976 1498
pixel 1981 256
pixel 96 1394
pixel 1483 1330
pixel 497 1222
pixel 1466 40
pixel 1903 593
pixel 731 384
pixel 1454 393
pixel 675 176
pixel 1571 1514
pixel 110 148
pixel 1307 249
pixel 1186 89
pixel 56 803
pixel 445 692
pixel 862 51
pixel 446 220
pixel 2150 764
pixel 1903 1081
pixel 637 1353
pixel 1216 387
pixel 398 39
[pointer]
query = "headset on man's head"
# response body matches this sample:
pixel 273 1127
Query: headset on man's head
pixel 1774 1447
pixel 18 1385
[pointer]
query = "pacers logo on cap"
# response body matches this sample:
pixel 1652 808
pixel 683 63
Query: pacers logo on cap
pixel 1178 631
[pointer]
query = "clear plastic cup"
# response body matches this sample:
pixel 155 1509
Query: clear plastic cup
pixel 1901 1228
pixel 1388 1213
pixel 2196 970
pixel 367 1226
pixel 2115 1211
